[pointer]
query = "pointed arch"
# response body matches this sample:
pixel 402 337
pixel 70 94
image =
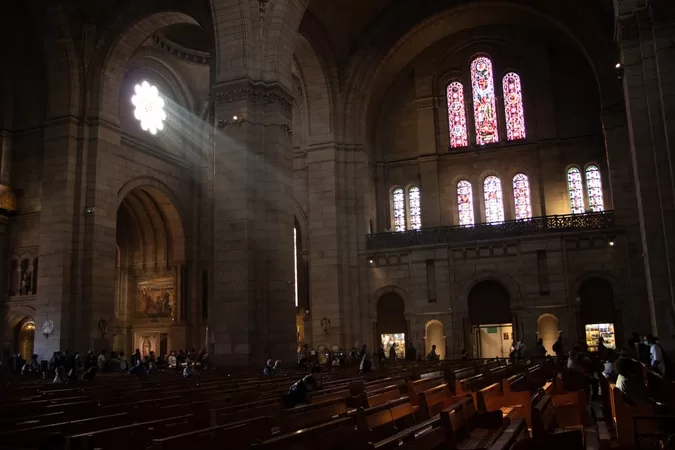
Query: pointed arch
pixel 513 107
pixel 484 101
pixel 459 136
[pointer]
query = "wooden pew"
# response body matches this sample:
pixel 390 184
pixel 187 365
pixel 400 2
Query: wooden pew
pixel 432 401
pixel 413 388
pixel 622 416
pixel 382 421
pixel 231 436
pixel 544 426
pixel 336 434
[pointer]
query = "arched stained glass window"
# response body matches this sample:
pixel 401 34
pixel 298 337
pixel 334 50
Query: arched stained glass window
pixel 399 209
pixel 457 115
pixel 513 107
pixel 594 188
pixel 484 109
pixel 521 196
pixel 575 190
pixel 465 203
pixel 494 206
pixel 414 208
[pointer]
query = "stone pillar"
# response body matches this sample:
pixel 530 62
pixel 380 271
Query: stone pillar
pixel 644 34
pixel 251 309
pixel 3 276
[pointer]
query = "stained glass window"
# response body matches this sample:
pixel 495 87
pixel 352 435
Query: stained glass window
pixel 594 188
pixel 521 196
pixel 399 210
pixel 576 191
pixel 494 206
pixel 414 208
pixel 457 115
pixel 465 203
pixel 513 107
pixel 484 109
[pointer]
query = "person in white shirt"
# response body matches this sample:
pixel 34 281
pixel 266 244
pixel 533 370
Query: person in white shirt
pixel 656 355
pixel 608 368
pixel 172 360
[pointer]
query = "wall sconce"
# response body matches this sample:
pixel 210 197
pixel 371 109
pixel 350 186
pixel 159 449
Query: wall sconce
pixel 47 328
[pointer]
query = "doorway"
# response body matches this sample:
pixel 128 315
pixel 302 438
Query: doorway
pixel 491 320
pixel 493 341
pixel 392 326
pixel 434 335
pixel 26 338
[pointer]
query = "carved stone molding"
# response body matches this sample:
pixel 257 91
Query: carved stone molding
pixel 264 95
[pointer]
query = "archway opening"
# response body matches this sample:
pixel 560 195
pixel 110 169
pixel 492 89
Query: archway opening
pixel 597 313
pixel 548 331
pixel 25 338
pixel 151 282
pixel 392 327
pixel 434 335
pixel 490 319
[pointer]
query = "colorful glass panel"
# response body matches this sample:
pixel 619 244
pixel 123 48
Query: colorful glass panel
pixel 513 107
pixel 521 197
pixel 594 187
pixel 457 115
pixel 575 190
pixel 494 206
pixel 484 109
pixel 414 208
pixel 465 203
pixel 399 210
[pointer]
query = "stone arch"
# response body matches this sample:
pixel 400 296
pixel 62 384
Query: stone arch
pixel 119 45
pixel 391 319
pixel 387 54
pixel 387 290
pixel 434 334
pixel 25 337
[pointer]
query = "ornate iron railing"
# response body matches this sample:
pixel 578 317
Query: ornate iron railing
pixel 510 228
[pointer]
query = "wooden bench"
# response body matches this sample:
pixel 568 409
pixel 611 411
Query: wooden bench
pixel 382 421
pixel 237 436
pixel 544 428
pixel 413 388
pixel 622 417
pixel 432 401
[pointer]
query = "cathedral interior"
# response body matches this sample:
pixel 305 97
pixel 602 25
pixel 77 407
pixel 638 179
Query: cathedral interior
pixel 250 176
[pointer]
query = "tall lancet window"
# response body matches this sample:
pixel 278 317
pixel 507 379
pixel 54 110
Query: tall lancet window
pixel 399 209
pixel 521 196
pixel 414 208
pixel 465 203
pixel 575 191
pixel 594 188
pixel 494 206
pixel 484 109
pixel 513 107
pixel 459 136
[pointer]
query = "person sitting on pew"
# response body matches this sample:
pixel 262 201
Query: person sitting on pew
pixel 608 368
pixel 32 367
pixel 136 364
pixel 90 374
pixel 59 376
pixel 298 394
pixel 539 350
pixel 365 364
pixel 181 359
pixel 463 355
pixel 101 361
pixel 432 356
pixel 269 368
pixel 190 372
pixel 171 359
pixel 630 382
pixel 576 365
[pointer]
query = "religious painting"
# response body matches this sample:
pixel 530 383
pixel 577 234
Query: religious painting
pixel 147 343
pixel 484 105
pixel 156 299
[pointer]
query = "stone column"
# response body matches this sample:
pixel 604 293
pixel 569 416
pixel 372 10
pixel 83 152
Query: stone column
pixel 251 309
pixel 643 35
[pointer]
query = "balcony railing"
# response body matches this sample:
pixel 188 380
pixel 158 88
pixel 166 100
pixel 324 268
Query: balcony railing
pixel 510 228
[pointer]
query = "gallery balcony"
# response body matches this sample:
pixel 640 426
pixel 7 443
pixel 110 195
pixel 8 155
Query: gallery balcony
pixel 484 231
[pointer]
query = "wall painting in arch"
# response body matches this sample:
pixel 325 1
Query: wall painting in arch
pixel 156 299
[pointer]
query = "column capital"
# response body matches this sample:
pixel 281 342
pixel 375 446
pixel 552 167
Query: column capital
pixel 256 93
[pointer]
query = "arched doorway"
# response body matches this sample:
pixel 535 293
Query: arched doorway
pixel 392 327
pixel 597 313
pixel 151 273
pixel 490 319
pixel 548 330
pixel 25 338
pixel 434 335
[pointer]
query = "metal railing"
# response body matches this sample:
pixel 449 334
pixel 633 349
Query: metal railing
pixel 510 228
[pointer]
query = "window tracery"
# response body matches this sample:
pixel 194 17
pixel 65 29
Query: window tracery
pixel 521 197
pixel 465 203
pixel 484 104
pixel 575 190
pixel 494 205
pixel 457 115
pixel 513 107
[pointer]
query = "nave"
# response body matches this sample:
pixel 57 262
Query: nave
pixel 452 404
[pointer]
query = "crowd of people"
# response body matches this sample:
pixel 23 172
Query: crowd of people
pixel 64 366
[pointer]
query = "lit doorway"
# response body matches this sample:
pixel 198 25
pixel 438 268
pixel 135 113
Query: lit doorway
pixel 26 339
pixel 434 335
pixel 548 331
pixel 493 341
pixel 490 319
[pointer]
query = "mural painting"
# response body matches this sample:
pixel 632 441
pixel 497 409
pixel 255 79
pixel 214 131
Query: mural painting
pixel 156 299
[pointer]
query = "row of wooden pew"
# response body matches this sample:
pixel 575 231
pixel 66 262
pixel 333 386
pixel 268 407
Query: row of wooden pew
pixel 452 404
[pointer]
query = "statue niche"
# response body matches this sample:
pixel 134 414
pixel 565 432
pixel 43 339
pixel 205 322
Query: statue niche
pixel 156 299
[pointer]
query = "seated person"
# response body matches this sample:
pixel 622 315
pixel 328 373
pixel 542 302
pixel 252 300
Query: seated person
pixel 608 368
pixel 189 371
pixel 269 368
pixel 31 367
pixel 90 373
pixel 630 382
pixel 298 394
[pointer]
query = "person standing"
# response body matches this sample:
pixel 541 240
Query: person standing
pixel 411 353
pixel 432 356
pixel 656 360
pixel 392 351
